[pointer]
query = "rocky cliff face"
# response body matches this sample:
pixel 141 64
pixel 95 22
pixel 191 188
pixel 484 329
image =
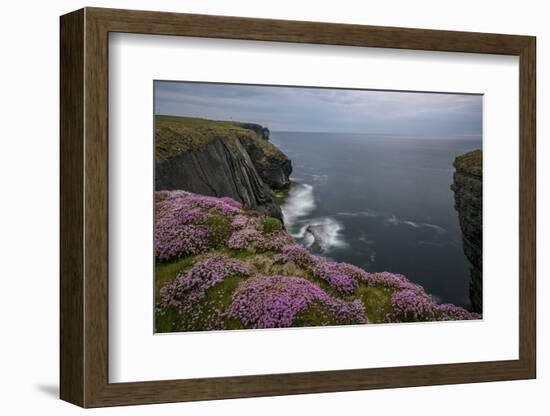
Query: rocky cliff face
pixel 467 187
pixel 220 159
pixel 271 164
pixel 261 131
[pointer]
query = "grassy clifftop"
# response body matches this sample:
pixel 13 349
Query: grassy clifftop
pixel 175 135
pixel 470 163
pixel 220 266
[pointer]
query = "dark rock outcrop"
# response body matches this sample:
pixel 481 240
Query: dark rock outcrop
pixel 261 131
pixel 272 165
pixel 467 187
pixel 219 160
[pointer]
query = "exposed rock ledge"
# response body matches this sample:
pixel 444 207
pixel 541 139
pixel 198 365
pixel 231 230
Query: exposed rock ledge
pixel 261 131
pixel 467 187
pixel 218 158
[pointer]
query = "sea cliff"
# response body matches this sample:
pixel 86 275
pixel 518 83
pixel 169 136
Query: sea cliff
pixel 222 266
pixel 224 259
pixel 467 187
pixel 220 158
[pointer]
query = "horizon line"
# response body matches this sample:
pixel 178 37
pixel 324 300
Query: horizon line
pixel 328 132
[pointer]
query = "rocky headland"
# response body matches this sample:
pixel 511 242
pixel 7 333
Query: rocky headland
pixel 220 158
pixel 467 187
pixel 224 259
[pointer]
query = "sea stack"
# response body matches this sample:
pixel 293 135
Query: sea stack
pixel 467 187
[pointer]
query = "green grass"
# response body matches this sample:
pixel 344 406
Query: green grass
pixel 377 301
pixel 218 298
pixel 190 122
pixel 282 194
pixel 470 162
pixel 234 253
pixel 164 274
pixel 219 229
pixel 170 321
pixel 317 315
pixel 314 315
pixel 167 272
pixel 271 225
pixel 176 135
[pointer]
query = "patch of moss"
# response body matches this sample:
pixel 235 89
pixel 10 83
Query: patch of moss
pixel 270 225
pixel 318 315
pixel 314 315
pixel 282 194
pixel 377 301
pixel 219 297
pixel 169 321
pixel 235 253
pixel 218 230
pixel 167 272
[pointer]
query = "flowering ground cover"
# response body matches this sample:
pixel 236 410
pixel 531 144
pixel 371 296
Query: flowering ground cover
pixel 219 266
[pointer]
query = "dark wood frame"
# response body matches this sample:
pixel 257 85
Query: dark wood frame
pixel 84 208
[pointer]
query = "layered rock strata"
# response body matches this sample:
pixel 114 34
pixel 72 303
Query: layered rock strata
pixel 467 187
pixel 220 159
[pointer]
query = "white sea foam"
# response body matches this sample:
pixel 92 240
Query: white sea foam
pixel 365 213
pixel 319 178
pixel 299 203
pixel 411 223
pixel 393 220
pixel 326 233
pixel 308 239
pixel 437 228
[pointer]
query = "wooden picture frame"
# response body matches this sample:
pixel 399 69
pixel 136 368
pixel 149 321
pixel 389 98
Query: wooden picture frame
pixel 84 207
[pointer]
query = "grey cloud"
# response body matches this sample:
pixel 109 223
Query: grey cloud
pixel 320 109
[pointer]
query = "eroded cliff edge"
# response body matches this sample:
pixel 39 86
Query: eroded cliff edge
pixel 467 187
pixel 220 158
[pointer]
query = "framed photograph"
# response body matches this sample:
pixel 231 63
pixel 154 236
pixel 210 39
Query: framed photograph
pixel 255 207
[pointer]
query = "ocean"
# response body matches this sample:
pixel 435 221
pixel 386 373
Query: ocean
pixel 380 202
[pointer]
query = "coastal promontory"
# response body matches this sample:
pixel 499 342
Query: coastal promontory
pixel 220 158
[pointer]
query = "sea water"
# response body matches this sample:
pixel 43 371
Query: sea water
pixel 380 202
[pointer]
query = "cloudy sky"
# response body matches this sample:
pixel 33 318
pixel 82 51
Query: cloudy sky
pixel 324 110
